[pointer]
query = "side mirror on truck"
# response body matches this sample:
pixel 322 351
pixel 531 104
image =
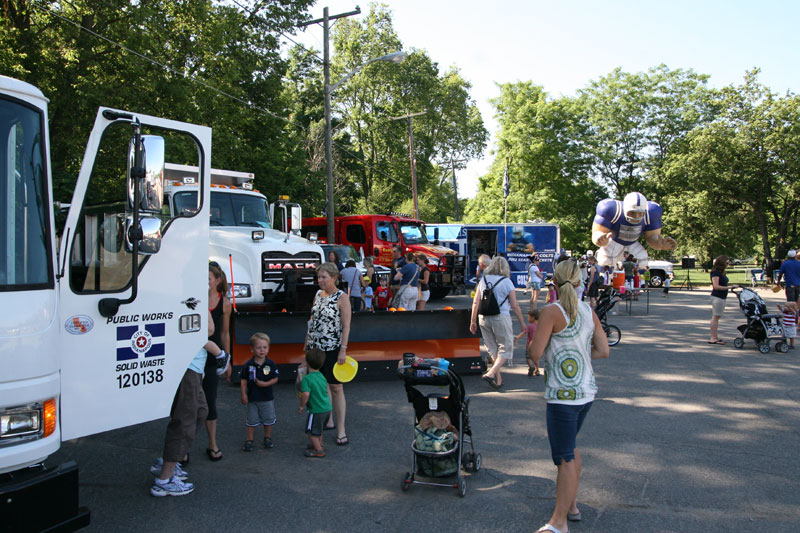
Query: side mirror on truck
pixel 297 219
pixel 148 176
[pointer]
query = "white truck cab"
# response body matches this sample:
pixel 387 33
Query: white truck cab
pixel 256 244
pixel 92 338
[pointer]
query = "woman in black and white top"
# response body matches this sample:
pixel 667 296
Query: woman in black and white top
pixel 497 330
pixel 329 330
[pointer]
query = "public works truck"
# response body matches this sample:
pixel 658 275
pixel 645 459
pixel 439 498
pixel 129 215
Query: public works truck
pixel 516 242
pixel 100 323
pixel 377 234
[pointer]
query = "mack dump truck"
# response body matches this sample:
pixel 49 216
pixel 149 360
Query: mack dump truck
pixel 257 244
pixel 99 324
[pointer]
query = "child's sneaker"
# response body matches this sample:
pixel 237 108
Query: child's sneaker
pixel 530 371
pixel 268 443
pixel 171 487
pixel 179 472
pixel 314 453
pixel 248 446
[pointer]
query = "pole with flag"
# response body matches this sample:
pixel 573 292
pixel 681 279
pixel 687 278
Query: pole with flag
pixel 506 189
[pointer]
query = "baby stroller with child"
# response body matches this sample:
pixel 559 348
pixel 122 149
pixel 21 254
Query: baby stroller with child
pixel 441 425
pixel 761 326
pixel 605 303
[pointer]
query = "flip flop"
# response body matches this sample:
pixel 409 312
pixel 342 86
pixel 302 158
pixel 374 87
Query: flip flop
pixel 548 527
pixel 718 341
pixel 342 441
pixel 214 455
pixel 574 517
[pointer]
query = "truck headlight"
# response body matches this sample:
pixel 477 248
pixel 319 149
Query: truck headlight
pixel 36 419
pixel 240 290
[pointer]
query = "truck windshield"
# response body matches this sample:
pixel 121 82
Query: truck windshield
pixel 228 209
pixel 25 260
pixel 413 233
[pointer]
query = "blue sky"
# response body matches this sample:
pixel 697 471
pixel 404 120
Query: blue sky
pixel 563 45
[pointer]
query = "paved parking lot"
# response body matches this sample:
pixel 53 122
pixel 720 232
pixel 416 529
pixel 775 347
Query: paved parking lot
pixel 684 436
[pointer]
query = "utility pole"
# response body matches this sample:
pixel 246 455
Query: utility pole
pixel 326 63
pixel 455 185
pixel 411 156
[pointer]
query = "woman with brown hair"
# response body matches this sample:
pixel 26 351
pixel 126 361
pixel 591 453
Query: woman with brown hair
pixel 220 308
pixel 719 294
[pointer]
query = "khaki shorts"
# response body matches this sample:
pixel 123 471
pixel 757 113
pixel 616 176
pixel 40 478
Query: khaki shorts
pixel 717 306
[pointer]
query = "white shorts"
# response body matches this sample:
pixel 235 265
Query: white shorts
pixel 425 296
pixel 612 253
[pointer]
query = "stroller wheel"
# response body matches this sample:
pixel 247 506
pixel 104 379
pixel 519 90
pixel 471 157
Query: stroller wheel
pixel 763 347
pixel 738 342
pixel 462 487
pixel 407 480
pixel 466 461
pixel 782 347
pixel 476 462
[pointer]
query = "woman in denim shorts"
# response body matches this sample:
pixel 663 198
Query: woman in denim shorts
pixel 566 329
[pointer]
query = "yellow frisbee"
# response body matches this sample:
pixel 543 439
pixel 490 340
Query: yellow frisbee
pixel 347 371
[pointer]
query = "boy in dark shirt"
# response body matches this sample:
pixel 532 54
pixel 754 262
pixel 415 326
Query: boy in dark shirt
pixel 259 374
pixel 314 396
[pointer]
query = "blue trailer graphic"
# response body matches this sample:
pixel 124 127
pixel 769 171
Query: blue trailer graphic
pixel 516 242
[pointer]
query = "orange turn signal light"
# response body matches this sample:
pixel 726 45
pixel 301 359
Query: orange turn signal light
pixel 49 413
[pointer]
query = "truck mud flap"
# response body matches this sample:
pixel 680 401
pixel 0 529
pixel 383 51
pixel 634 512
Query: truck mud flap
pixel 377 340
pixel 37 499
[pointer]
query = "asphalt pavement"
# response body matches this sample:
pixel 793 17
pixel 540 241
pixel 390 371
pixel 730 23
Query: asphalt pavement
pixel 683 436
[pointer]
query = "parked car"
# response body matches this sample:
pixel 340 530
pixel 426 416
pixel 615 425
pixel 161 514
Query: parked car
pixel 347 252
pixel 659 271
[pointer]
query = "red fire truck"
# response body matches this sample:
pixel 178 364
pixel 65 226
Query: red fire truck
pixel 377 234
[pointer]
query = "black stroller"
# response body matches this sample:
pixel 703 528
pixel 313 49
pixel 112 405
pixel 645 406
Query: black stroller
pixel 447 463
pixel 605 303
pixel 761 326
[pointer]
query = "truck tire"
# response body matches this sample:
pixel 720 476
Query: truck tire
pixel 657 278
pixel 437 293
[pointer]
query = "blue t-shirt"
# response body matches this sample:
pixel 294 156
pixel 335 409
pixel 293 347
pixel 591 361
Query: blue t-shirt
pixel 723 282
pixel 790 270
pixel 264 372
pixel 609 215
pixel 198 364
pixel 409 271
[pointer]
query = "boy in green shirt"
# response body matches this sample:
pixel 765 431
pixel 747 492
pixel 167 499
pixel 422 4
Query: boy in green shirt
pixel 314 395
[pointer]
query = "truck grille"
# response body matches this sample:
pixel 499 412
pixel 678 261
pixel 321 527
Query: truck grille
pixel 274 263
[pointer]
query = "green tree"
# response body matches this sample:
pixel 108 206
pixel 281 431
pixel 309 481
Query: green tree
pixel 744 169
pixel 548 170
pixel 376 145
pixel 201 61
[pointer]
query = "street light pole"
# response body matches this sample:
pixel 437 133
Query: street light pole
pixel 394 57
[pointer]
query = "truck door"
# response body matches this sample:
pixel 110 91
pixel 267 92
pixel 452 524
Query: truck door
pixel 479 241
pixel 386 238
pixel 124 368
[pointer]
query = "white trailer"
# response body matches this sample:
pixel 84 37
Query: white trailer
pixel 93 335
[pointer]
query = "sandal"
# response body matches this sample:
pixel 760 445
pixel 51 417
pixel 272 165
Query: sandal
pixel 718 341
pixel 185 461
pixel 342 441
pixel 548 527
pixel 214 455
pixel 248 446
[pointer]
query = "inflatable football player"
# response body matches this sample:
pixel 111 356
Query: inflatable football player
pixel 618 225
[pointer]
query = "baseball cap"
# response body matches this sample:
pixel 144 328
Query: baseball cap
pixel 792 253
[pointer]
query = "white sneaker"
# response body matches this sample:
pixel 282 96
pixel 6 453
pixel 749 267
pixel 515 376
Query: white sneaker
pixel 171 487
pixel 179 472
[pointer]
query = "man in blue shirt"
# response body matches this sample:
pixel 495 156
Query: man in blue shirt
pixel 408 276
pixel 791 270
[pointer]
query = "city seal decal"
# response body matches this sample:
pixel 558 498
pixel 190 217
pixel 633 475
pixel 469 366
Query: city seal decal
pixel 79 324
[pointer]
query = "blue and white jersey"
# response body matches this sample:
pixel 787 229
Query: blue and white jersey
pixel 610 215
